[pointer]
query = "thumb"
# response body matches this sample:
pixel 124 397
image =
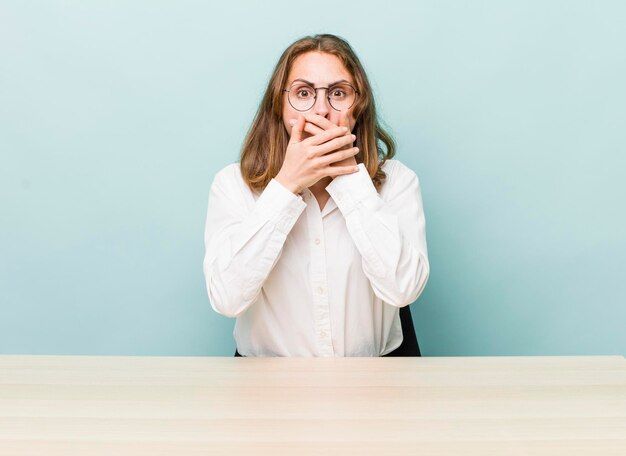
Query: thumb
pixel 296 130
pixel 343 122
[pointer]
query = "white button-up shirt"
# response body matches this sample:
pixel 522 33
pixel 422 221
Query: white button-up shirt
pixel 305 282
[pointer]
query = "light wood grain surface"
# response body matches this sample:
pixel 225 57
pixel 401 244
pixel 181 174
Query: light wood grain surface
pixel 89 405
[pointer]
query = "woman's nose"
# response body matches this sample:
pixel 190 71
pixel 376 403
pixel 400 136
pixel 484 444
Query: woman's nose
pixel 321 106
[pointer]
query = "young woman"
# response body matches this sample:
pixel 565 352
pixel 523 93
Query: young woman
pixel 316 238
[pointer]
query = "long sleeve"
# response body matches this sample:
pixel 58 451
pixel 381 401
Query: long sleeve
pixel 390 234
pixel 243 245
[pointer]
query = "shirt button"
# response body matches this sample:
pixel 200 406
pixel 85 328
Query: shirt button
pixel 323 333
pixel 320 290
pixel 317 242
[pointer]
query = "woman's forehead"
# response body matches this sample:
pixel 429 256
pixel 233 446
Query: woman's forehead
pixel 319 68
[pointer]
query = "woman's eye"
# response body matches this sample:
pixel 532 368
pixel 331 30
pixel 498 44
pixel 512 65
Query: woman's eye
pixel 338 93
pixel 304 93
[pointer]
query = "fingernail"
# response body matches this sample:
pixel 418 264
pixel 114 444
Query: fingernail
pixel 345 129
pixel 353 137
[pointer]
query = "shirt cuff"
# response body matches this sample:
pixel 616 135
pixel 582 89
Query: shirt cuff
pixel 348 190
pixel 280 205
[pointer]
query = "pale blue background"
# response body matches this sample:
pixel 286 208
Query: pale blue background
pixel 114 117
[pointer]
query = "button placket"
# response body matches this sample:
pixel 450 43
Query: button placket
pixel 319 281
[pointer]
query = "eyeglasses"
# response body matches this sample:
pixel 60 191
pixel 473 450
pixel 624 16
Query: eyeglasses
pixel 340 96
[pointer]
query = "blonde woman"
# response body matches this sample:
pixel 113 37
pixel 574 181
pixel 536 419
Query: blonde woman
pixel 316 240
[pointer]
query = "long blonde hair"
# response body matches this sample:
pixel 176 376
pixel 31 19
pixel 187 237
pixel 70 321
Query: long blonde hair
pixel 264 148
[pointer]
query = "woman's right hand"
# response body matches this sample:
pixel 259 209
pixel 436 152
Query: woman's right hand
pixel 308 160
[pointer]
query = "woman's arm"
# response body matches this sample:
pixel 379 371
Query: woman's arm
pixel 390 235
pixel 242 246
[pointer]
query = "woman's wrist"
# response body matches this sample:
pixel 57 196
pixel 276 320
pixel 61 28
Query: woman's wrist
pixel 295 189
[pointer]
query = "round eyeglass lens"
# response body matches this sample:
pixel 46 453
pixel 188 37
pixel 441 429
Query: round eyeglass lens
pixel 301 96
pixel 341 96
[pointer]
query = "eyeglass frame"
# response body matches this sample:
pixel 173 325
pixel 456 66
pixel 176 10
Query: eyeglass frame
pixel 315 89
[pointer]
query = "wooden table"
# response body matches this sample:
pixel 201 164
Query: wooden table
pixel 91 405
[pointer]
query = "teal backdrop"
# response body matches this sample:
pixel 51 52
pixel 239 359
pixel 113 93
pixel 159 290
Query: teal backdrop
pixel 116 115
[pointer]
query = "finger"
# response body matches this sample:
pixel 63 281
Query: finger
pixel 343 120
pixel 296 130
pixel 327 135
pixel 309 128
pixel 321 122
pixel 312 129
pixel 338 155
pixel 333 144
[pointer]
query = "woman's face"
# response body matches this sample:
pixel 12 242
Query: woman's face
pixel 323 70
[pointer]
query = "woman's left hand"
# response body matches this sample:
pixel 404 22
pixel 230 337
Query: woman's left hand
pixel 316 124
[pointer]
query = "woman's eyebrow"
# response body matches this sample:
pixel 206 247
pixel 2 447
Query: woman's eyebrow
pixel 313 85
